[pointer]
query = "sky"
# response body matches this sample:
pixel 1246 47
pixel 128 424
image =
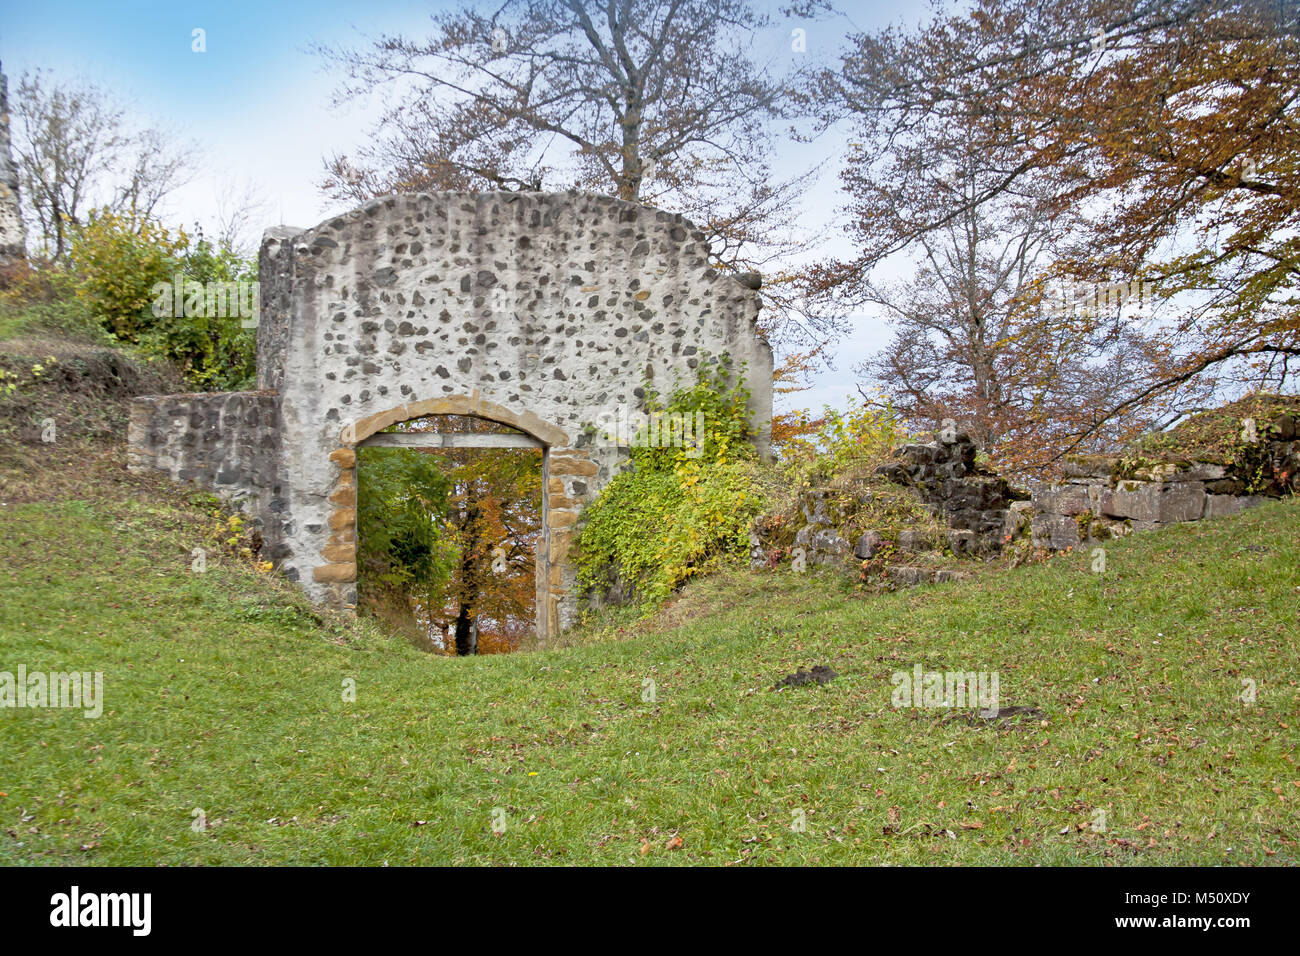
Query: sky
pixel 256 104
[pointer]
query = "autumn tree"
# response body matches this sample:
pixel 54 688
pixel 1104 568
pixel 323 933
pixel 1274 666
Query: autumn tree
pixel 790 377
pixel 495 521
pixel 448 537
pixel 1167 130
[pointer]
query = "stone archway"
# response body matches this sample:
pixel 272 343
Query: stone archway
pixel 561 464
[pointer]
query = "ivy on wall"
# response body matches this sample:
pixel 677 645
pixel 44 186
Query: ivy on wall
pixel 676 511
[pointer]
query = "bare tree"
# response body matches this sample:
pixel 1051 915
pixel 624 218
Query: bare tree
pixel 149 171
pixel 634 86
pixel 240 207
pixel 968 341
pixel 658 101
pixel 75 151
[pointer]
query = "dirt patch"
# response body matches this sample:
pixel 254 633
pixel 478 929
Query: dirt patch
pixel 820 674
pixel 85 471
pixel 84 391
pixel 1004 713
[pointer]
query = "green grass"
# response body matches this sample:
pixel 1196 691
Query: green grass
pixel 66 318
pixel 224 693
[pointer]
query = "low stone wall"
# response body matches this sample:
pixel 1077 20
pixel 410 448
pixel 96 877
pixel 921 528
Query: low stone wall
pixel 1102 497
pixel 1107 496
pixel 226 442
pixel 1095 505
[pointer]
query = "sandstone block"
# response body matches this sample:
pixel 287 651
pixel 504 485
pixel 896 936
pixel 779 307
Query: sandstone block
pixel 1154 501
pixel 1072 499
pixel 906 576
pixel 339 553
pixel 573 466
pixel 335 573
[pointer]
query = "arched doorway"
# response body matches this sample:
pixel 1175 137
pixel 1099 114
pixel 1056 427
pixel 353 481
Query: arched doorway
pixel 449 514
pixel 565 474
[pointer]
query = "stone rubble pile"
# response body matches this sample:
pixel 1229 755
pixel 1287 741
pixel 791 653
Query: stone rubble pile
pixel 973 501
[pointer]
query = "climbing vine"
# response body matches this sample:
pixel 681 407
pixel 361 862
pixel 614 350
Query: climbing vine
pixel 676 511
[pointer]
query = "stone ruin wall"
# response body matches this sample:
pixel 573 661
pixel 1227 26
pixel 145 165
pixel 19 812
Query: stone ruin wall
pixel 550 313
pixel 12 235
pixel 1104 497
pixel 1100 498
pixel 227 442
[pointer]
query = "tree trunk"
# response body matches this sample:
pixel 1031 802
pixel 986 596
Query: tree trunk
pixel 470 584
pixel 466 633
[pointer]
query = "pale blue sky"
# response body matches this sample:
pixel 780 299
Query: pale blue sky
pixel 256 104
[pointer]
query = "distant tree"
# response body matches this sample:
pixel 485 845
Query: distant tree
pixel 240 208
pixel 495 519
pixel 968 342
pixel 788 378
pixel 75 151
pixel 448 539
pixel 404 548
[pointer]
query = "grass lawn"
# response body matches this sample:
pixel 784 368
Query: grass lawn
pixel 224 693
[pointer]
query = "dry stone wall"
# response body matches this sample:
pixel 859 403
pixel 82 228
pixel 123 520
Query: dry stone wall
pixel 1109 496
pixel 228 442
pixel 973 501
pixel 955 508
pixel 1102 497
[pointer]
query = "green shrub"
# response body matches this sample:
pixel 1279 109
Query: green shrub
pixel 120 265
pixel 839 442
pixel 676 512
pixel 217 352
pixel 117 263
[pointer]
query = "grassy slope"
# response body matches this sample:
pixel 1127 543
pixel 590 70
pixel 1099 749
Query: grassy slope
pixel 224 693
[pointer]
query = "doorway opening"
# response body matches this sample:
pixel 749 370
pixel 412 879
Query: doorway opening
pixel 449 523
